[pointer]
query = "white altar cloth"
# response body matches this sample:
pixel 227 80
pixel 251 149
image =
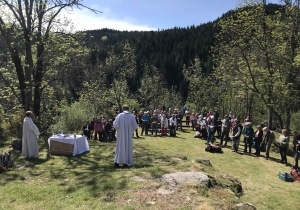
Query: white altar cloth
pixel 80 143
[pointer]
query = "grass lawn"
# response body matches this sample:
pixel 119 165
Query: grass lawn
pixel 89 181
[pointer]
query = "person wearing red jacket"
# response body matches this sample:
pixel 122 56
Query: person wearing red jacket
pixel 99 129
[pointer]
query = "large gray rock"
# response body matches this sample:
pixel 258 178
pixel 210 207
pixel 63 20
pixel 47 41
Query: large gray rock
pixel 179 178
pixel 173 180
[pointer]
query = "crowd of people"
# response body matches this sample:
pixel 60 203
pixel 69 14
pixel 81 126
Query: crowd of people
pixel 208 126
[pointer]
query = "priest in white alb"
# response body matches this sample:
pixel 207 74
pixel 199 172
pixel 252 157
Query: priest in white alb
pixel 30 137
pixel 125 124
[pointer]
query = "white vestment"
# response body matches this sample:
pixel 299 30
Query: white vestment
pixel 125 124
pixel 29 139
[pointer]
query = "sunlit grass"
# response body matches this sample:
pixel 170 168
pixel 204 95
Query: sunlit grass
pixel 89 181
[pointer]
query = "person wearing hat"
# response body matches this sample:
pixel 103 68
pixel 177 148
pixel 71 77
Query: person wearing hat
pixel 248 133
pixel 30 137
pixel 258 139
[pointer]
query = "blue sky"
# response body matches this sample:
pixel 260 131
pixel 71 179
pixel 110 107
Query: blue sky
pixel 147 15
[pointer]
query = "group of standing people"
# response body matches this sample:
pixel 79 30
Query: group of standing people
pixel 125 123
pixel 99 128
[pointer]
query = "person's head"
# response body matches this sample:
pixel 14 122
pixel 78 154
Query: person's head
pixel 237 122
pixel 226 117
pixel 283 131
pixel 29 114
pixel 125 107
pixel 164 116
pixel 295 133
pixel 87 122
pixel 258 127
pixel 265 129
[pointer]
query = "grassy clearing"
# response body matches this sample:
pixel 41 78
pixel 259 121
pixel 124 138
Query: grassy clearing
pixel 89 181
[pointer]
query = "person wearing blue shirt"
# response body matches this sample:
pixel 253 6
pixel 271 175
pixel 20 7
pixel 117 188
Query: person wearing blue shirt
pixel 145 119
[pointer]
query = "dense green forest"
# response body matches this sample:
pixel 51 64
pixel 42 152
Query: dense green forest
pixel 246 62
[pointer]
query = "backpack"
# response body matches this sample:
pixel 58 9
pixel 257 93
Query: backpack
pixel 286 177
pixel 6 160
pixel 296 175
pixel 16 144
pixel 213 148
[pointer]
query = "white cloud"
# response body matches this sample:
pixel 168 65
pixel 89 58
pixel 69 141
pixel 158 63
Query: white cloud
pixel 87 20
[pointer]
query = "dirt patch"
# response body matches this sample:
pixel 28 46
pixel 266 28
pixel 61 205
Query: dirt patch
pixel 138 179
pixel 148 196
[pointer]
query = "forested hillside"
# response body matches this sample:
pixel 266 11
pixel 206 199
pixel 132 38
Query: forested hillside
pixel 168 50
pixel 245 62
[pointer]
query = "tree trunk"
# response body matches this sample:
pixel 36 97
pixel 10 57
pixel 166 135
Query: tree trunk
pixel 38 77
pixel 270 117
pixel 22 85
pixel 28 69
pixel 279 118
pixel 250 106
pixel 288 120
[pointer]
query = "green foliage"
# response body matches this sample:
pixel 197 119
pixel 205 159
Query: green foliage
pixel 253 53
pixel 72 118
pixel 12 125
pixel 295 121
pixel 5 127
pixel 153 91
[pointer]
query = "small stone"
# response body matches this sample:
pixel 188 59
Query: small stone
pixel 245 206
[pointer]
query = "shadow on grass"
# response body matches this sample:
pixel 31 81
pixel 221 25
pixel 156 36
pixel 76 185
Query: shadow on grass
pixel 92 171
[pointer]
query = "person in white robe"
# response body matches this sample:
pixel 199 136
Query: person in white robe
pixel 29 137
pixel 125 124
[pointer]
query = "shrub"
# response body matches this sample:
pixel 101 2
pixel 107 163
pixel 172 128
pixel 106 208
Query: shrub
pixel 72 118
pixel 12 126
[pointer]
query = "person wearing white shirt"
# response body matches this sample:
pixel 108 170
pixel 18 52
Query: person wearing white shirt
pixel 164 125
pixel 172 123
